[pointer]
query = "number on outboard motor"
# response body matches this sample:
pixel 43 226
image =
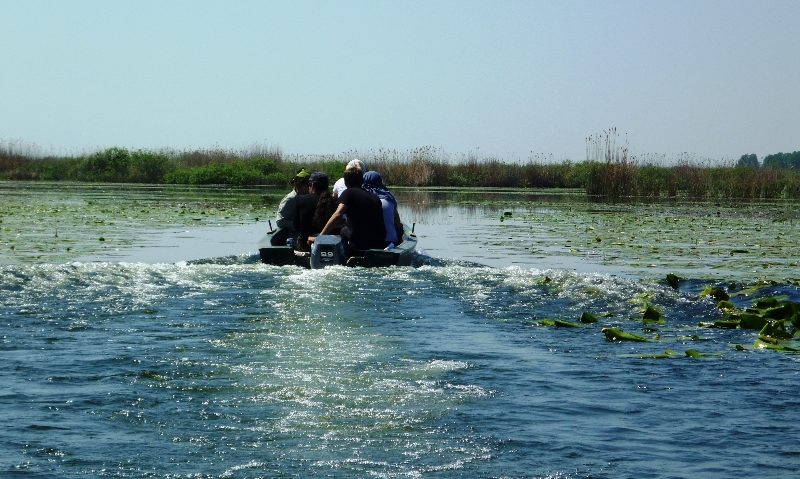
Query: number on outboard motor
pixel 326 251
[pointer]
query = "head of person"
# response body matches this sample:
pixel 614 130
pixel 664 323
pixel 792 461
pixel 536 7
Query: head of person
pixel 374 184
pixel 372 179
pixel 356 163
pixel 318 181
pixel 301 180
pixel 353 175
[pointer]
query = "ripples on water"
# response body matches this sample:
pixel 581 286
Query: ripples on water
pixel 233 369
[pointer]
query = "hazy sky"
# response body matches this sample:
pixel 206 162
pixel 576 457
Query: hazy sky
pixel 713 78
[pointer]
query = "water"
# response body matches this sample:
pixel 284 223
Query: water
pixel 195 365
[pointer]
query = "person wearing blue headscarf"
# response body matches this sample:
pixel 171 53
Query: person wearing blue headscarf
pixel 391 218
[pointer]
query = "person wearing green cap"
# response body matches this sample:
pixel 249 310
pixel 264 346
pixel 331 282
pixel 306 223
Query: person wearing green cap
pixel 287 208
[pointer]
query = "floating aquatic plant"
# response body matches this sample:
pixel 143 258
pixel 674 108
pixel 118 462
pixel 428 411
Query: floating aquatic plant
pixel 652 315
pixel 774 332
pixel 726 306
pixel 615 334
pixel 715 292
pixel 558 323
pixel 750 321
pixel 668 354
pixel 673 280
pixel 82 215
pixel 780 346
pixel 695 354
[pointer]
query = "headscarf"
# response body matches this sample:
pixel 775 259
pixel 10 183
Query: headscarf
pixel 374 184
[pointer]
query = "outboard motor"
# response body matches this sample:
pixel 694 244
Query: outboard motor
pixel 327 250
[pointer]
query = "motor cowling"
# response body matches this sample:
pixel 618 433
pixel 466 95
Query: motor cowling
pixel 327 250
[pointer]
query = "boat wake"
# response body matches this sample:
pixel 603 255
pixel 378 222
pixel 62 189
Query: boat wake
pixel 229 260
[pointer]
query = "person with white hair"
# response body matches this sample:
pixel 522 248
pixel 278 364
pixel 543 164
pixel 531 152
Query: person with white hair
pixel 363 212
pixel 339 186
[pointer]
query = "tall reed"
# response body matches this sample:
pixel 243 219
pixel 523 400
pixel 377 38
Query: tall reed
pixel 613 173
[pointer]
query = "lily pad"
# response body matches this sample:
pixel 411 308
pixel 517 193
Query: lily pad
pixel 668 354
pixel 774 331
pixel 653 316
pixel 715 292
pixel 673 280
pixel 726 306
pixel 768 302
pixel 783 311
pixel 695 354
pixel 615 334
pixel 751 321
pixel 558 323
pixel 780 346
pixel 726 324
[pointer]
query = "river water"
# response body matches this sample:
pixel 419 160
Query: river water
pixel 182 356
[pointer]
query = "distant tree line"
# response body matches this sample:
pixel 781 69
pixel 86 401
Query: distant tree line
pixel 785 161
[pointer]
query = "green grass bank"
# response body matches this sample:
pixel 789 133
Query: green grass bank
pixel 610 174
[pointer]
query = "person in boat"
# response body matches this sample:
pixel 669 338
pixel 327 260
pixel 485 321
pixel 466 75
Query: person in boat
pixel 313 210
pixel 339 186
pixel 364 224
pixel 373 183
pixel 287 208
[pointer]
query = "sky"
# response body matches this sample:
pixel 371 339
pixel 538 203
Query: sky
pixel 509 79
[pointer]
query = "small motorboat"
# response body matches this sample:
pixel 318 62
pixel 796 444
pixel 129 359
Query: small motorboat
pixel 329 250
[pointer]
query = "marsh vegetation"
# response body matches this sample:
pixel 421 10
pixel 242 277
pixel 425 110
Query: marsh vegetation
pixel 608 171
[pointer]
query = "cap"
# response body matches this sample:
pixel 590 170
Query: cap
pixel 320 179
pixel 317 177
pixel 301 176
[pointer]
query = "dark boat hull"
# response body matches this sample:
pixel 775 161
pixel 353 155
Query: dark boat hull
pixel 401 255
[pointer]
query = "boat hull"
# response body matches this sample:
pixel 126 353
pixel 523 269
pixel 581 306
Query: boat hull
pixel 401 255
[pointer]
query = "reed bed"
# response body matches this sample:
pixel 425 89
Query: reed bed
pixel 609 171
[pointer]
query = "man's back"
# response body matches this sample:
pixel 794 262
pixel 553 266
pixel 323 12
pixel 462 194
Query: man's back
pixel 365 215
pixel 305 205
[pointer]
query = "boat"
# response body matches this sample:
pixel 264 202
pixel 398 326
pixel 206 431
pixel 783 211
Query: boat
pixel 328 250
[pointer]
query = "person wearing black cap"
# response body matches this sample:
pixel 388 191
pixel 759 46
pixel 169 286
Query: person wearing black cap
pixel 313 210
pixel 286 209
